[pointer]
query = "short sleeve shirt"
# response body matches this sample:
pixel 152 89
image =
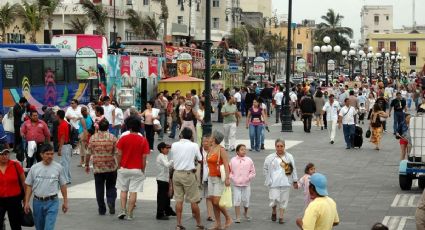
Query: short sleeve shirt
pixel 74 113
pixel 398 105
pixel 63 130
pixel 102 149
pixel 331 111
pixel 238 97
pixel 46 179
pixel 108 112
pixel 9 181
pixel 228 108
pixel 278 98
pixel 184 153
pixel 347 114
pixel 321 213
pixel 133 147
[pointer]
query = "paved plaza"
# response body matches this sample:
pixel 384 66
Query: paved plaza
pixel 363 182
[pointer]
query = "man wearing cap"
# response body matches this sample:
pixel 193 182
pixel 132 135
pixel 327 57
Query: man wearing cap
pixel 321 213
pixel 44 180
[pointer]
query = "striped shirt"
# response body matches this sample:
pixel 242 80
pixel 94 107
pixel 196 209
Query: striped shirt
pixel 103 150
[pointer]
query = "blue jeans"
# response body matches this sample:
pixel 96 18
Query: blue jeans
pixel 255 136
pixel 243 109
pixel 162 119
pixel 173 129
pixel 348 134
pixel 45 213
pixel 398 120
pixel 105 181
pixel 66 152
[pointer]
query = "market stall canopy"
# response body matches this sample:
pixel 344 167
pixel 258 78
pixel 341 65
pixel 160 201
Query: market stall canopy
pixel 182 83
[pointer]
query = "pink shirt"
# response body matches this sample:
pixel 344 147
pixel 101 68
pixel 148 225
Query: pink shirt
pixel 304 182
pixel 242 170
pixel 38 132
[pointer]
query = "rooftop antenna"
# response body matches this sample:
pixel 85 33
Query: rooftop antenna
pixel 413 15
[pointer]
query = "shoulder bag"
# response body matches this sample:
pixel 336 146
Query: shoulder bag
pixel 287 167
pixel 27 218
pixel 220 167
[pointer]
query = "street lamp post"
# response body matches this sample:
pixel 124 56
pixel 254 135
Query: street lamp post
pixel 326 51
pixel 207 126
pixel 286 108
pixel 370 57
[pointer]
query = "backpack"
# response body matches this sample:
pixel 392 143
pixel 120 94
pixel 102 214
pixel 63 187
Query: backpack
pixel 73 136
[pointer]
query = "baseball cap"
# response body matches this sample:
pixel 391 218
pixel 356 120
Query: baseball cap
pixel 320 183
pixel 162 145
pixel 3 149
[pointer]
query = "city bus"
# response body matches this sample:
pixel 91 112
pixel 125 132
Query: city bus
pixel 43 74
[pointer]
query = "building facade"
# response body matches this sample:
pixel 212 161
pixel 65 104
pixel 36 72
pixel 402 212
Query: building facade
pixel 411 46
pixel 375 19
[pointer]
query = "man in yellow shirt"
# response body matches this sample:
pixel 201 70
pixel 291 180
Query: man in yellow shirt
pixel 321 213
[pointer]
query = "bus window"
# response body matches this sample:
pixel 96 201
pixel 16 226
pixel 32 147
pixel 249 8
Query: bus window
pixel 70 70
pixel 37 73
pixel 23 71
pixel 9 69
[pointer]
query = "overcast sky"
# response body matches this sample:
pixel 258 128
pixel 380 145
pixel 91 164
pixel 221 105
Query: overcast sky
pixel 314 9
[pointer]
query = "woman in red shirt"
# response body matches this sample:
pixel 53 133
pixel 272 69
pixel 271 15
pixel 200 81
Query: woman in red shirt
pixel 11 174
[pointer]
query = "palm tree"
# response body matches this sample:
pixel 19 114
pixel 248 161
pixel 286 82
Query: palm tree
pixel 78 25
pixel 136 22
pixel 151 27
pixel 332 28
pixel 256 37
pixel 48 7
pixel 97 14
pixel 238 39
pixel 164 15
pixel 33 19
pixel 7 17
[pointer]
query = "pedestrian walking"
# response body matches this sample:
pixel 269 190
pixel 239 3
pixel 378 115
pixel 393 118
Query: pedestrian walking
pixel 119 118
pixel 322 204
pixel 195 99
pixel 65 147
pixel 346 121
pixel 331 109
pixel 376 125
pixel 103 152
pixel 217 157
pixel 405 138
pixel 18 112
pixel 189 118
pixel 35 131
pixel 161 104
pixel 109 113
pixel 255 121
pixel 307 109
pixel 73 116
pixel 383 103
pixel 319 102
pixel 278 97
pixel 133 149
pixel 231 118
pixel 148 123
pixel 304 183
pixel 399 105
pixel 205 149
pixel 184 154
pixel 163 210
pixel 12 179
pixel 86 129
pixel 8 125
pixel 238 98
pixel 44 180
pixel 280 174
pixel 242 172
pixel 221 102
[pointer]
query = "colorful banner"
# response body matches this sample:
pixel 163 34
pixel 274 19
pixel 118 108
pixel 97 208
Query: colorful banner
pixel 125 66
pixel 95 42
pixel 86 63
pixel 184 68
pixel 153 67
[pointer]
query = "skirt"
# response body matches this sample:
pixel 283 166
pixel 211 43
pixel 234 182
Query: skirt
pixel 376 135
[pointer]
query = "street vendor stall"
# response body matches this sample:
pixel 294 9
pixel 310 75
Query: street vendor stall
pixel 182 83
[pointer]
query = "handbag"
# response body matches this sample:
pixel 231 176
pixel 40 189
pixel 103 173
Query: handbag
pixel 27 218
pixel 221 167
pixel 368 133
pixel 287 167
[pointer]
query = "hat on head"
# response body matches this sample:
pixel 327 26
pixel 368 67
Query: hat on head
pixel 3 149
pixel 320 183
pixel 162 145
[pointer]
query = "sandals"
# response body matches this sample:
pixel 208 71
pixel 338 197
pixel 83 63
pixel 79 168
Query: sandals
pixel 210 219
pixel 200 227
pixel 281 221
pixel 180 227
pixel 273 217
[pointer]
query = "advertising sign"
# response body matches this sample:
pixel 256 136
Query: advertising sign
pixel 125 66
pixel 259 65
pixel 86 63
pixel 331 65
pixel 301 65
pixel 153 67
pixel 139 66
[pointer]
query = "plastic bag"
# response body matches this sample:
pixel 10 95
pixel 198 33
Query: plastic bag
pixel 226 198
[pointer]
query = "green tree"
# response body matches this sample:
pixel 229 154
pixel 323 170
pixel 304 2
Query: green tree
pixel 135 21
pixel 238 39
pixel 8 14
pixel 48 7
pixel 164 15
pixel 256 37
pixel 97 14
pixel 33 19
pixel 78 25
pixel 151 27
pixel 332 27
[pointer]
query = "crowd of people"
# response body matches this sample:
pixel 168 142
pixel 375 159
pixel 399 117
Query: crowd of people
pixel 116 143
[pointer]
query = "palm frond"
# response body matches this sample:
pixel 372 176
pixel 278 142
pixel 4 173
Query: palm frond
pixel 135 21
pixel 78 25
pixel 97 14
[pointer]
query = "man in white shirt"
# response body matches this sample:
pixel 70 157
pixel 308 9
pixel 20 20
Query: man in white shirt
pixel 183 154
pixel 73 114
pixel 238 98
pixel 109 112
pixel 331 108
pixel 346 120
pixel 278 101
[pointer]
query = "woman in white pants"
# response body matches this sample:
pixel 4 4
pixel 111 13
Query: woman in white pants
pixel 331 108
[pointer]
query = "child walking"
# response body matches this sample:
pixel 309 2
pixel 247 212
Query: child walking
pixel 304 182
pixel 242 171
pixel 164 209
